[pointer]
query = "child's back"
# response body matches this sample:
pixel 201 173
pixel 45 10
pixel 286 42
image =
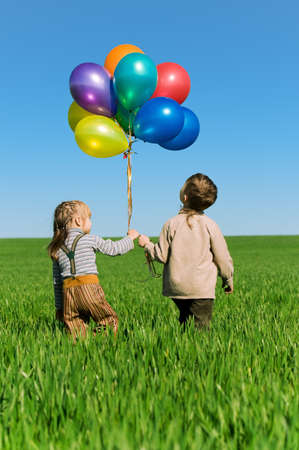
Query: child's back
pixel 86 249
pixel 192 255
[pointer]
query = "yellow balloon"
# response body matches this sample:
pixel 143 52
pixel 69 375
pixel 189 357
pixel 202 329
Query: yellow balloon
pixel 100 136
pixel 76 113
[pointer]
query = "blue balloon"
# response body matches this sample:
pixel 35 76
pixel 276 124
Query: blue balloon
pixel 188 133
pixel 158 120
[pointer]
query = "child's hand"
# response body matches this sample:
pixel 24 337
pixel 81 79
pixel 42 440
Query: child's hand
pixel 133 234
pixel 228 286
pixel 228 290
pixel 143 240
pixel 59 315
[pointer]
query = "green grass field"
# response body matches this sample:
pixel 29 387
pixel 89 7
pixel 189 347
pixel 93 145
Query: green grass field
pixel 155 386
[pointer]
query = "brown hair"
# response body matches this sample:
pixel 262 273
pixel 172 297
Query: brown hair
pixel 201 193
pixel 63 215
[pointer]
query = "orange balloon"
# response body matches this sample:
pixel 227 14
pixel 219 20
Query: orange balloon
pixel 118 53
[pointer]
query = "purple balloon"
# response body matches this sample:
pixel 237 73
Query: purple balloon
pixel 92 88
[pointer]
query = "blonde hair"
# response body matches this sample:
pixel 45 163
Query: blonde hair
pixel 201 193
pixel 63 216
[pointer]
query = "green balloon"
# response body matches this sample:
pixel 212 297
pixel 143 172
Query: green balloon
pixel 125 118
pixel 135 80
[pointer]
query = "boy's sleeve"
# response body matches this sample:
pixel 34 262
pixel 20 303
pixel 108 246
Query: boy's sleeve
pixel 57 281
pixel 113 248
pixel 159 252
pixel 222 257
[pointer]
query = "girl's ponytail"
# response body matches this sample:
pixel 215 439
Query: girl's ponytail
pixel 58 240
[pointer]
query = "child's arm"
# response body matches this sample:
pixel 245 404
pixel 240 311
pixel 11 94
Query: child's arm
pixel 158 252
pixel 222 258
pixel 58 294
pixel 113 248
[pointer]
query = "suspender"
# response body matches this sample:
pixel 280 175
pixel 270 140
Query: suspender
pixel 71 253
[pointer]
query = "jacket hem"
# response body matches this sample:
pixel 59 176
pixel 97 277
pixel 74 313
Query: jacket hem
pixel 189 297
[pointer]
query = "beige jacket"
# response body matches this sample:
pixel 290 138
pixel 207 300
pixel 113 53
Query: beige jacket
pixel 192 257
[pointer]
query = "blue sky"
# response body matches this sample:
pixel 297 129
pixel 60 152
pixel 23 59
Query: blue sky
pixel 242 58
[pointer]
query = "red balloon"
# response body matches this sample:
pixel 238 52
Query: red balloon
pixel 173 82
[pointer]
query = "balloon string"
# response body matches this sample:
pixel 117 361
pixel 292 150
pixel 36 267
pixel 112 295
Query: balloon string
pixel 151 266
pixel 129 175
pixel 129 180
pixel 127 155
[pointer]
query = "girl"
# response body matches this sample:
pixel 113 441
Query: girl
pixel 192 249
pixel 78 294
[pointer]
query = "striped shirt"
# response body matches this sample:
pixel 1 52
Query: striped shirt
pixel 85 258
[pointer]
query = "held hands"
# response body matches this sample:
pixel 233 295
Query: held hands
pixel 133 234
pixel 143 240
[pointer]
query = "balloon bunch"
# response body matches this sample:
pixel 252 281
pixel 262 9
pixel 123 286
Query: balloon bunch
pixel 130 97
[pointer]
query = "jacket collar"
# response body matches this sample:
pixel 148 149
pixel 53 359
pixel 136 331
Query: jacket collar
pixel 187 210
pixel 75 230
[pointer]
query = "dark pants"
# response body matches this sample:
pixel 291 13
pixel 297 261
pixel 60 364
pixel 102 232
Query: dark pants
pixel 199 309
